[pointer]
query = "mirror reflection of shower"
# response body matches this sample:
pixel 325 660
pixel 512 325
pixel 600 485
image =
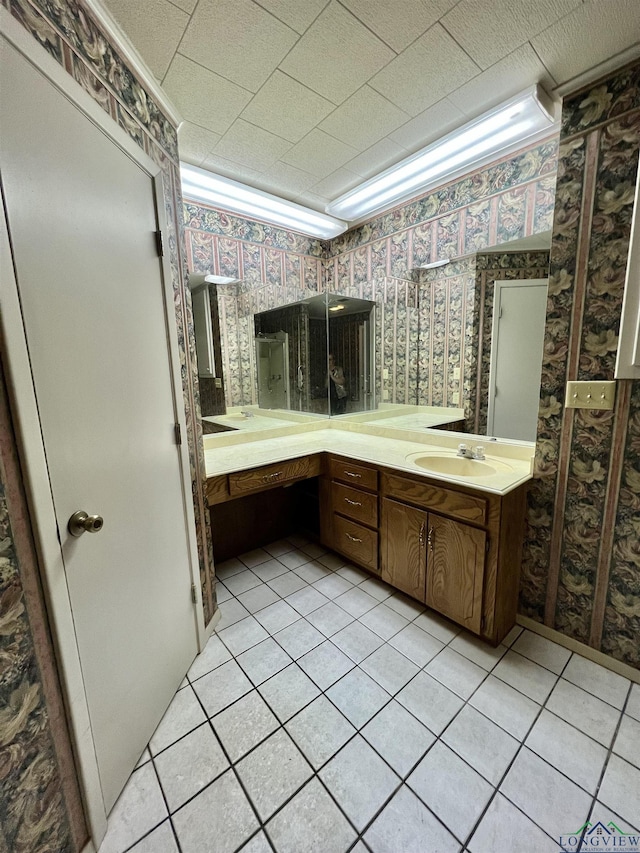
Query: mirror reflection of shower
pixel 272 360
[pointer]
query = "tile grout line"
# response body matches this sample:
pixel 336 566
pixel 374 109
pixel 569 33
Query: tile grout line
pixel 604 768
pixel 358 729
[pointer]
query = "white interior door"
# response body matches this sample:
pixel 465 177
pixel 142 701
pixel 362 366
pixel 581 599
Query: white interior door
pixel 517 338
pixel 82 220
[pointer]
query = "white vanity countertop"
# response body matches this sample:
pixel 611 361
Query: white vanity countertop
pixel 375 444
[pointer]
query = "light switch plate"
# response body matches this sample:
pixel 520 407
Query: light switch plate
pixel 590 395
pixel 455 398
pixel 456 373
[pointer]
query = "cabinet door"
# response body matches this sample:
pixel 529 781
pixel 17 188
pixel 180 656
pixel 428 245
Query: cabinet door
pixel 404 554
pixel 456 555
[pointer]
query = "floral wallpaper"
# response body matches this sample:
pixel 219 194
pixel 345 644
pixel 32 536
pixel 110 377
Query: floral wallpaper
pixel 274 267
pixel 377 260
pixel 39 800
pixel 497 203
pixel 581 572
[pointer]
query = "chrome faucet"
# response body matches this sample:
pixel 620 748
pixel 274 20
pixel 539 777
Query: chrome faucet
pixel 246 414
pixel 466 452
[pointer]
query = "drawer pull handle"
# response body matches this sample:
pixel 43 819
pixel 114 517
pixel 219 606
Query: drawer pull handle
pixel 269 477
pixel 422 529
pixel 353 503
pixel 352 538
pixel 431 538
pixel 351 474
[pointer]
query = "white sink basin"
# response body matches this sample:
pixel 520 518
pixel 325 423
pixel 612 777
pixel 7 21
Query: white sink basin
pixel 441 462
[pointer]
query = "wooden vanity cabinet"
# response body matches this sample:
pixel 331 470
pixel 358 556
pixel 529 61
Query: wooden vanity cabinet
pixel 349 511
pixel 403 561
pixel 456 555
pixel 454 548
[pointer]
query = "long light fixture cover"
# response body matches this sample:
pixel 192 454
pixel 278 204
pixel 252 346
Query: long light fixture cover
pixel 523 118
pixel 201 185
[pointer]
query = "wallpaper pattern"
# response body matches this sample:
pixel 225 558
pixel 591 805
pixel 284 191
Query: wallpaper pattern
pixel 274 268
pixel 506 200
pixel 39 800
pixel 510 199
pixel 581 572
pixel 34 814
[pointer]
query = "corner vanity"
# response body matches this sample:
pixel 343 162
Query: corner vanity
pixel 400 504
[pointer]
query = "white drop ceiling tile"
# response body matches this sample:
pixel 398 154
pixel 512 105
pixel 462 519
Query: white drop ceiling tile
pixel 155 27
pixel 282 178
pixel 336 55
pixel 591 34
pixel 425 72
pixel 401 22
pixel 228 169
pixel 194 143
pixel 384 153
pixel 427 126
pixel 364 118
pixel 490 29
pixel 337 183
pixel 237 39
pixel 295 14
pixel 251 146
pixel 506 78
pixel 286 107
pixel 319 154
pixel 185 5
pixel 203 97
pixel 315 202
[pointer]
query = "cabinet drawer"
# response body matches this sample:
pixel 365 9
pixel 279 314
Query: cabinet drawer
pixel 361 506
pixel 455 504
pixel 217 489
pixel 268 476
pixel 355 475
pixel 356 541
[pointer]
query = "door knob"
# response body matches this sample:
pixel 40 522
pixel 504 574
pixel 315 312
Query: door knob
pixel 80 523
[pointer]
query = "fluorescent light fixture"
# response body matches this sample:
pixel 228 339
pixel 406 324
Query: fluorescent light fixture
pixel 434 264
pixel 338 307
pixel 523 119
pixel 201 185
pixel 221 279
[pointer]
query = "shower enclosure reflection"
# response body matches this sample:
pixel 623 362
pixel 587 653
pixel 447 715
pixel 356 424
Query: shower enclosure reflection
pixel 293 344
pixel 272 361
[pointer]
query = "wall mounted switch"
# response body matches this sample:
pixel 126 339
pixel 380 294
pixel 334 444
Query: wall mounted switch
pixel 385 373
pixel 456 373
pixel 590 395
pixel 385 394
pixel 455 398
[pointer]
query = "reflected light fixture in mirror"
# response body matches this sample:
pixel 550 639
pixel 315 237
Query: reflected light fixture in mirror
pixel 522 120
pixel 199 185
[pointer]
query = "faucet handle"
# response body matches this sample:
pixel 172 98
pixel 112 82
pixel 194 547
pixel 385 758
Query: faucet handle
pixel 463 449
pixel 478 452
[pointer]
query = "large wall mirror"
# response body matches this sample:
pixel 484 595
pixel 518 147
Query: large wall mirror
pixel 457 346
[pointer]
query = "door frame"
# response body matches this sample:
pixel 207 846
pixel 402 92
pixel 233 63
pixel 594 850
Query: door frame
pixel 498 287
pixel 29 437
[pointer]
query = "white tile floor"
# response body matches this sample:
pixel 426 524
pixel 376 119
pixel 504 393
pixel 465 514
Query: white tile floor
pixel 329 713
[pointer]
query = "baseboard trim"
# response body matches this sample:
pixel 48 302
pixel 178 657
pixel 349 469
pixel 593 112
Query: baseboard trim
pixel 212 623
pixel 580 648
